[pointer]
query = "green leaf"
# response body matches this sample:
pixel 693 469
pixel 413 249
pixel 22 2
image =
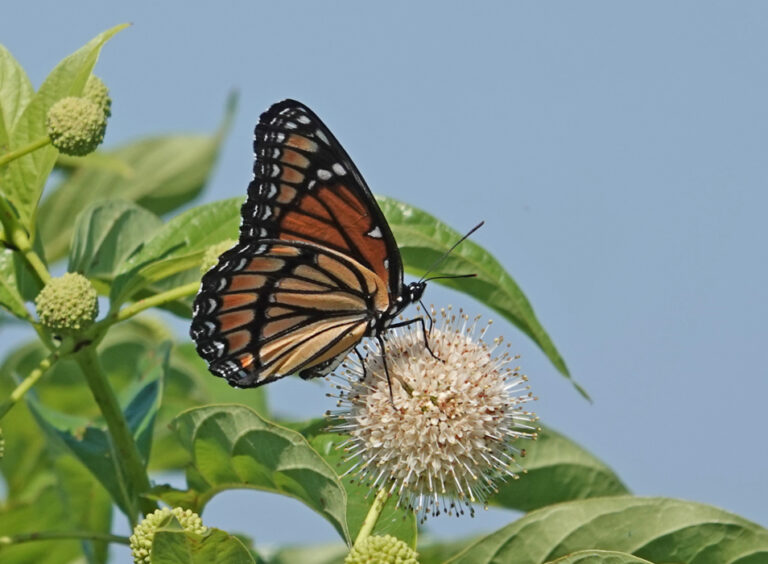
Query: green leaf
pixel 89 507
pixel 397 522
pixel 25 447
pixel 24 178
pixel 232 447
pixel 99 160
pixel 10 296
pixel 92 444
pixel 41 510
pixel 557 470
pixel 15 93
pixel 163 174
pixel 178 246
pixel 215 546
pixel 436 552
pixel 313 554
pixel 423 239
pixel 106 234
pixel 657 529
pixel 600 557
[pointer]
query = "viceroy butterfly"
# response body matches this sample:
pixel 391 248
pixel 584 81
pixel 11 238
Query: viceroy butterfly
pixel 316 268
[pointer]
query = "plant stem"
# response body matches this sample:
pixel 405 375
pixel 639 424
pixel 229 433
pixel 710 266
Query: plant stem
pixel 50 535
pixel 373 515
pixel 122 438
pixel 34 146
pixel 28 382
pixel 156 300
pixel 16 234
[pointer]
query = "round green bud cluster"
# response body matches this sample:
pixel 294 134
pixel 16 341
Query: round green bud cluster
pixel 76 126
pixel 98 93
pixel 144 533
pixel 211 256
pixel 69 302
pixel 382 550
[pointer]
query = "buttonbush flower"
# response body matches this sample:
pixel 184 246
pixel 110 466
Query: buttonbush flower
pixel 76 126
pixel 97 92
pixel 144 532
pixel 382 550
pixel 447 443
pixel 67 303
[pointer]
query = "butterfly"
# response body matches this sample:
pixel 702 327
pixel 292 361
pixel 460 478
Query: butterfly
pixel 316 268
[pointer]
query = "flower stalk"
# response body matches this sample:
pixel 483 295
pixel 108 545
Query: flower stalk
pixel 372 517
pixel 154 301
pixel 27 383
pixel 136 478
pixel 18 153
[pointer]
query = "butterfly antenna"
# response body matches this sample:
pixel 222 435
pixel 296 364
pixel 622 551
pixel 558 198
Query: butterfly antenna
pixel 448 252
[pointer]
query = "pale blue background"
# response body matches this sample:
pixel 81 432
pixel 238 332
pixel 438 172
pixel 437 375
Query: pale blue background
pixel 616 150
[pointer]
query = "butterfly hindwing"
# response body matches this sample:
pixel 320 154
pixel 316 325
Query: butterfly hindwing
pixel 306 188
pixel 270 308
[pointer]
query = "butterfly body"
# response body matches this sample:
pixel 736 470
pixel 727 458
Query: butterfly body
pixel 316 268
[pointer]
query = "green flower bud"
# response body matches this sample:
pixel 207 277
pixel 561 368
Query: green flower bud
pixel 76 126
pixel 211 256
pixel 98 93
pixel 144 533
pixel 68 303
pixel 382 550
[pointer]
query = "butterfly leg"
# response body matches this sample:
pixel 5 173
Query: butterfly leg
pixel 408 389
pixel 423 332
pixel 362 365
pixel 426 312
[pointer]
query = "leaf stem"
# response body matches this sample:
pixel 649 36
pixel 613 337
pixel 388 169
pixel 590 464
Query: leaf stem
pixel 373 515
pixel 49 535
pixel 34 146
pixel 27 383
pixel 122 438
pixel 156 300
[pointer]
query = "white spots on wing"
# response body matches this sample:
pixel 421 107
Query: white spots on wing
pixel 339 169
pixel 303 119
pixel 285 111
pixel 311 184
pixel 272 190
pixel 323 174
pixel 275 169
pixel 222 285
pixel 211 305
pixel 386 263
pixel 290 125
pixel 210 326
pixel 322 136
pixel 240 265
pixel 280 137
pixel 275 153
pixel 266 212
pixel 375 233
pixel 261 249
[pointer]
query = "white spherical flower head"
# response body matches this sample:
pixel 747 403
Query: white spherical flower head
pixel 444 439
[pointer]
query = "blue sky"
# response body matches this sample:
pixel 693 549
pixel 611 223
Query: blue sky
pixel 615 150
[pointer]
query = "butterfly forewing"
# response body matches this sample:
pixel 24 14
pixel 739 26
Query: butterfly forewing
pixel 271 308
pixel 306 188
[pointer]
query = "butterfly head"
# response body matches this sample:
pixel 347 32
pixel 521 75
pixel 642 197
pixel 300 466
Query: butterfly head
pixel 414 291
